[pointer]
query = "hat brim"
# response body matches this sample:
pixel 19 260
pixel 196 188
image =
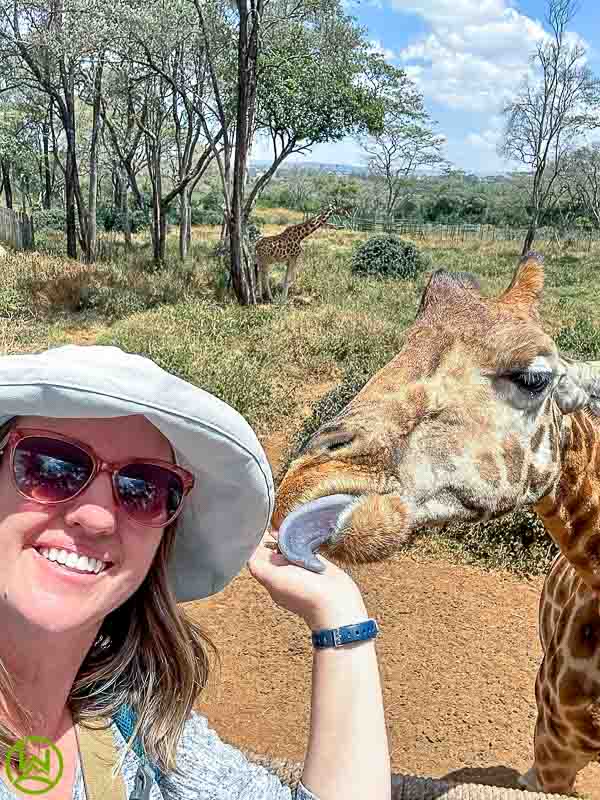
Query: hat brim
pixel 230 506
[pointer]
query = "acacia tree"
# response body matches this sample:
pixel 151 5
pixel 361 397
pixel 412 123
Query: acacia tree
pixel 312 87
pixel 54 45
pixel 582 181
pixel 168 66
pixel 300 80
pixel 19 149
pixel 407 141
pixel 123 140
pixel 550 111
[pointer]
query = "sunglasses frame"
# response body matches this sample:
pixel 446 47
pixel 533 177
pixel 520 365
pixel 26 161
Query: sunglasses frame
pixel 18 435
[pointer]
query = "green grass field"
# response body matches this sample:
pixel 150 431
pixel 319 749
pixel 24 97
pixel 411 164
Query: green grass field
pixel 272 361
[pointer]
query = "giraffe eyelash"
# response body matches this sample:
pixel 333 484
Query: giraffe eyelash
pixel 530 381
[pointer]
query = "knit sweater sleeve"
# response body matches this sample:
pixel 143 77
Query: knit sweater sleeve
pixel 210 769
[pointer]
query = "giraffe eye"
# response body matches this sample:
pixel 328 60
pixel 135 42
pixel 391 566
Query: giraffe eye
pixel 528 381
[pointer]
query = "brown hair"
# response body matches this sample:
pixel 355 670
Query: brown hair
pixel 148 653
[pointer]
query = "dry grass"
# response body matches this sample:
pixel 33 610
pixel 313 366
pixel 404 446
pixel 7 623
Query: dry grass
pixel 335 324
pixel 286 215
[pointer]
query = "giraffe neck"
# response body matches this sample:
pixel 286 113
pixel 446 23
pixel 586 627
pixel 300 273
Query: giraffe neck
pixel 311 225
pixel 571 511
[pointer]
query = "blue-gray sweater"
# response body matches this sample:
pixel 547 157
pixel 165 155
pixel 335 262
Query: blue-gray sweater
pixel 209 770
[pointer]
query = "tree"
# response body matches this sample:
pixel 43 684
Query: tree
pixel 173 60
pixel 313 86
pixel 57 47
pixel 550 111
pixel 406 143
pixel 301 79
pixel 19 152
pixel 582 181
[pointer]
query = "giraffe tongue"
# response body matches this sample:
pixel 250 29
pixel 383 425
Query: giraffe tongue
pixel 309 526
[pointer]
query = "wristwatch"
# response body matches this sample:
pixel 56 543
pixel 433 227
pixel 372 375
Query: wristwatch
pixel 336 637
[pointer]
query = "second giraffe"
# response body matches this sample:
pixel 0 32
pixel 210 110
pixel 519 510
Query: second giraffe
pixel 285 247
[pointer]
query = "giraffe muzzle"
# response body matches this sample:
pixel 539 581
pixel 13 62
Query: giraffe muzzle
pixel 311 525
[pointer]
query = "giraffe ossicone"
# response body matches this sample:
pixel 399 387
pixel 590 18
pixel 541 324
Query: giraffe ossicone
pixel 477 415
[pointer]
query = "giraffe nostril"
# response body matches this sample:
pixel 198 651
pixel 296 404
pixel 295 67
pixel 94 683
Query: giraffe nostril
pixel 329 440
pixel 340 440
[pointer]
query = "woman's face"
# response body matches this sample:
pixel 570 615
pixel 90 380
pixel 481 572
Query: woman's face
pixel 47 594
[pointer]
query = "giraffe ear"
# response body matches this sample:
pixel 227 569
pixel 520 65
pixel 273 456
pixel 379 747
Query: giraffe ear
pixel 526 287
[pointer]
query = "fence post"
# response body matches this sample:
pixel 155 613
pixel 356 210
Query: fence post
pixel 16 229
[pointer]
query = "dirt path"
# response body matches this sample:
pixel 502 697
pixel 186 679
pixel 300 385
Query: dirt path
pixel 458 651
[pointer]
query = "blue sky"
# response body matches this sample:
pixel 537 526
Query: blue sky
pixel 467 57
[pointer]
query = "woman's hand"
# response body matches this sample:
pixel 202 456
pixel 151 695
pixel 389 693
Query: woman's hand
pixel 327 599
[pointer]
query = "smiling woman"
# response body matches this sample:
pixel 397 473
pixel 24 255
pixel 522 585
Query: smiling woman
pixel 119 498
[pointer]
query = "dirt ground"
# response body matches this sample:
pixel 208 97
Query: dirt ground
pixel 458 653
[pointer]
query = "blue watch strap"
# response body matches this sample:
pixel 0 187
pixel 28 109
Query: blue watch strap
pixel 336 637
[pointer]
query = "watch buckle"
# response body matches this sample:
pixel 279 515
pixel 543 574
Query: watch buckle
pixel 337 639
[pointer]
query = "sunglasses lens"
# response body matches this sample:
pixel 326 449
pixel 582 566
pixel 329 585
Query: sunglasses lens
pixel 149 493
pixel 49 470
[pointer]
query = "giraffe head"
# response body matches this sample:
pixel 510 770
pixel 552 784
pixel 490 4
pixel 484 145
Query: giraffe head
pixel 469 421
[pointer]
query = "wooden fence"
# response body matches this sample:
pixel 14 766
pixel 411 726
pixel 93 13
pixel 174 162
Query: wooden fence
pixel 462 232
pixel 16 229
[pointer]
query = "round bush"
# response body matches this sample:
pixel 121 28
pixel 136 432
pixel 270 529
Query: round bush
pixel 389 257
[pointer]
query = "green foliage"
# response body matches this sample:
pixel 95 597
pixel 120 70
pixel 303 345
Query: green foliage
pixel 113 220
pixel 517 541
pixel 214 347
pixel 321 94
pixel 580 340
pixel 206 216
pixel 388 257
pixel 14 303
pixel 53 219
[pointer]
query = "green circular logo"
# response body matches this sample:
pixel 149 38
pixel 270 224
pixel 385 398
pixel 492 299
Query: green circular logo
pixel 36 774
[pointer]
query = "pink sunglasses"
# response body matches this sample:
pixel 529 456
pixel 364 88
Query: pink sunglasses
pixel 50 468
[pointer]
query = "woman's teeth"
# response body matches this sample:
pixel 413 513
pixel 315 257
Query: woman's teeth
pixel 72 560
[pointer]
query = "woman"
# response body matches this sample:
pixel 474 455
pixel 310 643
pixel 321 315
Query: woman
pixel 124 490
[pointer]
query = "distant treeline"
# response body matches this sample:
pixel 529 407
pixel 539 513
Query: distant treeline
pixel 449 199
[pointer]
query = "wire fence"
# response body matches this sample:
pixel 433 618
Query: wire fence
pixel 464 231
pixel 16 229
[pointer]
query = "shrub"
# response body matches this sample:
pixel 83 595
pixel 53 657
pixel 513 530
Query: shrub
pixel 113 220
pixel 388 257
pixel 14 303
pixel 581 340
pixel 517 541
pixel 57 286
pixel 53 218
pixel 206 216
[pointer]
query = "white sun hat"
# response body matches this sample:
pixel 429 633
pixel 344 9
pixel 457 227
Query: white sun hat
pixel 230 506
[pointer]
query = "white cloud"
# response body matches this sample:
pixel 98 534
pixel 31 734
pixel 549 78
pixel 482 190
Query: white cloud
pixel 488 138
pixel 475 55
pixel 483 140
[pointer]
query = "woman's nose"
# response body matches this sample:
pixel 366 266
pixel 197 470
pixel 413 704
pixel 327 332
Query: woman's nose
pixel 95 509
